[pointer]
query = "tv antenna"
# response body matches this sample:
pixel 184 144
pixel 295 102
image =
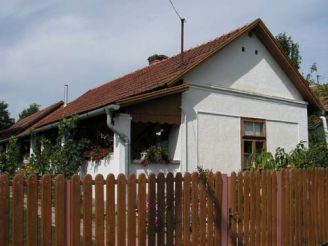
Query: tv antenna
pixel 182 20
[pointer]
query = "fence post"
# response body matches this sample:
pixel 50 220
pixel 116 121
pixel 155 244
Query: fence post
pixel 68 212
pixel 225 239
pixel 279 207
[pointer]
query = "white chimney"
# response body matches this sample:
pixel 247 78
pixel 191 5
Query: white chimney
pixel 65 95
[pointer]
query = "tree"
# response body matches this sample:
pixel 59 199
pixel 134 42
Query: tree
pixel 290 47
pixel 33 108
pixel 5 120
pixel 309 77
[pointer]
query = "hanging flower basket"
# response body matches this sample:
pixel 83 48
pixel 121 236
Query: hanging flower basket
pixel 97 153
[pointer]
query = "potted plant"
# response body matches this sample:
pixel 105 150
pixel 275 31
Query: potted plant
pixel 155 154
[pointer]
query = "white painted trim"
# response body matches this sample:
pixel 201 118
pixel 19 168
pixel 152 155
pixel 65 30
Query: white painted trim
pixel 230 91
pixel 241 116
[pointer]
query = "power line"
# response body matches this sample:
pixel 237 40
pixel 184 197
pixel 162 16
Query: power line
pixel 175 10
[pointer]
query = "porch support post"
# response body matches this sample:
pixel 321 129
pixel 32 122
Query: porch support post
pixel 32 145
pixel 122 123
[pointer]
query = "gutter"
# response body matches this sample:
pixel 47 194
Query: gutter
pixel 109 113
pixel 325 128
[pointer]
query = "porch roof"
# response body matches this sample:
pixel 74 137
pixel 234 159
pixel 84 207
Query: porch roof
pixel 28 121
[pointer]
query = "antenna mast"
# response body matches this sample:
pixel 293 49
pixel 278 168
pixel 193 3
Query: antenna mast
pixel 183 20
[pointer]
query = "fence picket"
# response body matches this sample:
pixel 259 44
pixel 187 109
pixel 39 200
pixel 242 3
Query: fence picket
pixel 325 199
pixel 60 194
pixel 202 209
pixel 194 209
pixel 160 208
pixel 75 210
pixel 258 208
pixel 210 196
pixel 32 211
pixel 169 209
pixel 18 208
pixel 268 197
pixel 178 209
pixel 263 209
pixel 306 208
pixel 4 210
pixel 110 210
pixel 132 210
pixel 121 210
pixel 218 208
pixel 240 208
pixel 274 191
pixel 99 209
pixel 186 209
pixel 252 222
pixel 46 210
pixel 246 214
pixel 142 210
pixel 87 210
pixel 233 209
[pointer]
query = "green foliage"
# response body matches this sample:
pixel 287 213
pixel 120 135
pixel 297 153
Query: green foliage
pixel 321 90
pixel 10 161
pixel 300 157
pixel 155 154
pixel 291 48
pixel 65 156
pixel 203 172
pixel 33 108
pixel 315 127
pixel 5 120
pixel 310 76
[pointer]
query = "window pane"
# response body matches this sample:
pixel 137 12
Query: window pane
pixel 259 147
pixel 248 128
pixel 247 160
pixel 247 147
pixel 258 129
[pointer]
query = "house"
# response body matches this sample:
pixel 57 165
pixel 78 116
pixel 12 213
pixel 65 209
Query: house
pixel 215 105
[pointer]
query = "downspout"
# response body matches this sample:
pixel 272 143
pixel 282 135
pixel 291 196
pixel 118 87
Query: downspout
pixel 325 128
pixel 109 113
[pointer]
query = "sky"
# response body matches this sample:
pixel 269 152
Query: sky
pixel 47 44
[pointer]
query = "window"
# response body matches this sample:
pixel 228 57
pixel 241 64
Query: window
pixel 154 143
pixel 253 139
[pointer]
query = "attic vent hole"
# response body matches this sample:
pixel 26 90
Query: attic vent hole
pixel 256 52
pixel 250 34
pixel 243 49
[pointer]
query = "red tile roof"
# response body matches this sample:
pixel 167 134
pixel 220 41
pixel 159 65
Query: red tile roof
pixel 144 80
pixel 28 121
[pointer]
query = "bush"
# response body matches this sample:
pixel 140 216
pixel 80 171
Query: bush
pixel 65 156
pixel 300 157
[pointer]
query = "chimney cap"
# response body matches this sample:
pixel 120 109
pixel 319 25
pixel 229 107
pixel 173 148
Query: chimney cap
pixel 156 58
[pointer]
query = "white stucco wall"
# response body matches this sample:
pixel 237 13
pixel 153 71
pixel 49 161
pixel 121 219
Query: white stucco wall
pixel 213 126
pixel 234 84
pixel 104 167
pixel 175 143
pixel 245 71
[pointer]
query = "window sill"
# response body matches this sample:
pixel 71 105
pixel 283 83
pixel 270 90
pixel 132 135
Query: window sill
pixel 138 162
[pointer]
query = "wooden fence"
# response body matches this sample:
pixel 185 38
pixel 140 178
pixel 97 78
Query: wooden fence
pixel 249 208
